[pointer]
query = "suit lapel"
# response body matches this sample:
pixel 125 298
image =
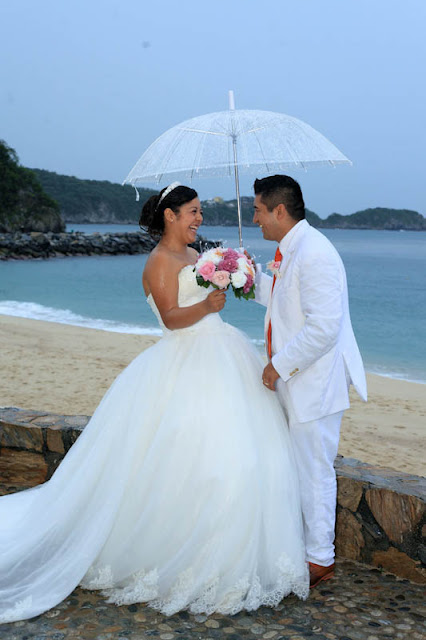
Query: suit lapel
pixel 290 250
pixel 287 257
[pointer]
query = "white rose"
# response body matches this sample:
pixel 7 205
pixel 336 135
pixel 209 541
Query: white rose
pixel 212 255
pixel 245 266
pixel 238 279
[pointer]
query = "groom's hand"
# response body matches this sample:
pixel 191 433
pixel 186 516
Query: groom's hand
pixel 269 377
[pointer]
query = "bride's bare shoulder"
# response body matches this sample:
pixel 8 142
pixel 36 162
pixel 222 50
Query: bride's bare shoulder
pixel 193 254
pixel 161 265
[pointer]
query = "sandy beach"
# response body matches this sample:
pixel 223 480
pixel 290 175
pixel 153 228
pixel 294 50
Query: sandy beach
pixel 66 369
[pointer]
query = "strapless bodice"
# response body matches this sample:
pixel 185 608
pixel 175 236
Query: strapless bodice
pixel 189 293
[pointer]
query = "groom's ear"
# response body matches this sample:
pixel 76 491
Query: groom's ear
pixel 281 212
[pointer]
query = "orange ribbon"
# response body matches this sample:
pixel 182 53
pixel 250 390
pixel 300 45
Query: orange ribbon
pixel 278 258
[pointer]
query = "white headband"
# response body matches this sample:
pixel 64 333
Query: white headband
pixel 167 191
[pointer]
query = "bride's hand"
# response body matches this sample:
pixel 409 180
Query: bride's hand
pixel 215 301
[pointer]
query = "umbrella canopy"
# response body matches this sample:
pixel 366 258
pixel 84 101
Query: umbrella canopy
pixel 203 147
pixel 228 142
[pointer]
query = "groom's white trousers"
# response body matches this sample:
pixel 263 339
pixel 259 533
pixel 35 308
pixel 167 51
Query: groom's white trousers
pixel 315 447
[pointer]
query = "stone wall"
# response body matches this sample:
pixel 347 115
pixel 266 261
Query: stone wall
pixel 23 246
pixel 381 516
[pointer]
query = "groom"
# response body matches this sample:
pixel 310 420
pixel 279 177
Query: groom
pixel 313 355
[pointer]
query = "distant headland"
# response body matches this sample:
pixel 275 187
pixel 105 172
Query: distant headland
pixel 40 200
pixel 93 201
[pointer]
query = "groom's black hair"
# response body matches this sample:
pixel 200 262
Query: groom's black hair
pixel 275 190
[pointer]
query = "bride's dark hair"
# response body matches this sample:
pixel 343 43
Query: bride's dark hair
pixel 152 215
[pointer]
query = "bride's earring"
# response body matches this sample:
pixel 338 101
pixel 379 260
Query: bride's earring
pixel 168 214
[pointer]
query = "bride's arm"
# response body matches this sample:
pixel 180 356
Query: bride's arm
pixel 162 278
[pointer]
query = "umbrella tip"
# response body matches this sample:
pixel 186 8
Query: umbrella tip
pixel 231 100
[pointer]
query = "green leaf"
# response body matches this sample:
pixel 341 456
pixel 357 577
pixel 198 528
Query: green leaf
pixel 202 282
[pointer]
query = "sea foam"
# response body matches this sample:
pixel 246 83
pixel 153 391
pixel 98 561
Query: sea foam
pixel 36 311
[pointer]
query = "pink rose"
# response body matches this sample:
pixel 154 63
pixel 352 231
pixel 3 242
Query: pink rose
pixel 228 264
pixel 248 285
pixel 207 270
pixel 221 279
pixel 230 254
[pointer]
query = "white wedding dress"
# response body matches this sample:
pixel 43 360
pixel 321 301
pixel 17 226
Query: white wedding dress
pixel 181 491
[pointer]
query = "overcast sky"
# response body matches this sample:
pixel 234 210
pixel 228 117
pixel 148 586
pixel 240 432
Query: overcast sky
pixel 87 85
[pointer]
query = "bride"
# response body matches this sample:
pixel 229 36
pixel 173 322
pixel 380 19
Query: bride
pixel 182 490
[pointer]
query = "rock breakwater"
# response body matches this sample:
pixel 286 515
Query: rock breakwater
pixel 22 246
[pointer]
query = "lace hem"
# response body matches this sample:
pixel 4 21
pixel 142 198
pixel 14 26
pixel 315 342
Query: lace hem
pixel 20 611
pixel 248 592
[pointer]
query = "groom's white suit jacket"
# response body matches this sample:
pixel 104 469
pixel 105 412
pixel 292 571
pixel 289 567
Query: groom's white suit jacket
pixel 313 344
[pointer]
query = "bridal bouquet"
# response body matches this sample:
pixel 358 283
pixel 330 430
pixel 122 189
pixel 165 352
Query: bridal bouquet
pixel 222 268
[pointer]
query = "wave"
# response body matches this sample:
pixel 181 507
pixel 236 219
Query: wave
pixel 417 377
pixel 35 311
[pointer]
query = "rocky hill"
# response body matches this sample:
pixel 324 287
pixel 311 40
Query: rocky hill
pixel 24 206
pixel 378 218
pixel 94 201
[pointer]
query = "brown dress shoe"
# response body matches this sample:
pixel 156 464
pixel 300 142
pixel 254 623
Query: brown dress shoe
pixel 318 573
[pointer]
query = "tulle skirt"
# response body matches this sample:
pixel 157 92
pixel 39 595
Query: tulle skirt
pixel 181 492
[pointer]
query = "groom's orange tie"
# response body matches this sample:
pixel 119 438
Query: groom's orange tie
pixel 278 258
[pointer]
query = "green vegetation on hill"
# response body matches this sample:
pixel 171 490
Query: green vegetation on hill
pixel 378 218
pixel 91 201
pixel 24 206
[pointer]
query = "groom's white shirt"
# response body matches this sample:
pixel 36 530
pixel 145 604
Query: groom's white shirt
pixel 313 344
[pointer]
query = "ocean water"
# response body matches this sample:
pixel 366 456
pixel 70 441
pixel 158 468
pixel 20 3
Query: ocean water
pixel 386 278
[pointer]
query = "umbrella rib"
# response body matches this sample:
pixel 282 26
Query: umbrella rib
pixel 260 147
pixel 168 157
pixel 254 130
pixel 293 155
pixel 313 141
pixel 210 133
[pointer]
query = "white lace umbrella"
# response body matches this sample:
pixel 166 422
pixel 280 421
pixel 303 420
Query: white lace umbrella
pixel 226 142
